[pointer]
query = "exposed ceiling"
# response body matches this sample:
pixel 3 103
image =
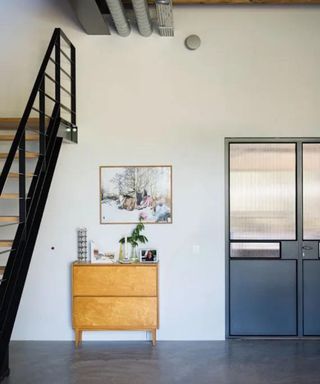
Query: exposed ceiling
pixel 96 16
pixel 127 3
pixel 235 2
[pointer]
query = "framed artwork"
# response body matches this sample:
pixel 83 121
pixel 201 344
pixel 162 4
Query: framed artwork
pixel 129 194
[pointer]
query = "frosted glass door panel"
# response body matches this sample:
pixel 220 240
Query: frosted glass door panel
pixel 263 191
pixel 311 191
pixel 255 250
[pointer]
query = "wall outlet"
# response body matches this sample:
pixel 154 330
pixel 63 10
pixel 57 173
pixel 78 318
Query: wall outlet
pixel 196 249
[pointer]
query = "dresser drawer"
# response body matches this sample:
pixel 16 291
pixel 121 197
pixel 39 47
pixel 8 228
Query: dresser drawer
pixel 115 280
pixel 115 312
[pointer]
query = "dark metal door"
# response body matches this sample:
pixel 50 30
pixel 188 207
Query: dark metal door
pixel 273 233
pixel 310 238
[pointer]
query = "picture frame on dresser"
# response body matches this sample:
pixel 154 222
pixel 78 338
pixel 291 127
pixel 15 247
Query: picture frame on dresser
pixel 148 256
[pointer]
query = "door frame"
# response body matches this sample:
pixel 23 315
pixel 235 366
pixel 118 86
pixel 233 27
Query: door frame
pixel 299 226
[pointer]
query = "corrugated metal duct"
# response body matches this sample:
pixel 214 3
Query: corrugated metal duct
pixel 119 17
pixel 165 17
pixel 141 10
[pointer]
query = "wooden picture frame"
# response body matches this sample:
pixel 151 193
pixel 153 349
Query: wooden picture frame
pixel 134 193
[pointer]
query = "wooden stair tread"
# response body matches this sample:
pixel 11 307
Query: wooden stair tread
pixel 9 219
pixel 29 155
pixel 9 123
pixel 16 174
pixel 10 137
pixel 9 196
pixel 6 243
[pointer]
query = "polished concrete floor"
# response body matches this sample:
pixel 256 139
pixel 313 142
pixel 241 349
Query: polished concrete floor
pixel 217 362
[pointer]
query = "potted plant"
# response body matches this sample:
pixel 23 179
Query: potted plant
pixel 135 239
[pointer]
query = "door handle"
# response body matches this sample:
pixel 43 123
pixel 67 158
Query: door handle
pixel 307 248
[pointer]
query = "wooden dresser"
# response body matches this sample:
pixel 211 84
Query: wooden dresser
pixel 114 297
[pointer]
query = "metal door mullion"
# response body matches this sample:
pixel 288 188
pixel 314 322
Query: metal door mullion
pixel 227 238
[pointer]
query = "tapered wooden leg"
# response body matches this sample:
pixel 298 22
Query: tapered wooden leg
pixel 78 337
pixel 154 337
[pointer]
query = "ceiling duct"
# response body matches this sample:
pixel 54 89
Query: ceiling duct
pixel 165 17
pixel 141 10
pixel 119 17
pixel 90 17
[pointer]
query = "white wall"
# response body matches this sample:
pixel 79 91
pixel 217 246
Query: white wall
pixel 151 101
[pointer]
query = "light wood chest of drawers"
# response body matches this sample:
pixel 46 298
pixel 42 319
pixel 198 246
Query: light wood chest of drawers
pixel 114 297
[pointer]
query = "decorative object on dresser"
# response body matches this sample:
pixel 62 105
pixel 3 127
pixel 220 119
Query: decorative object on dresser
pixel 115 297
pixel 149 256
pixel 134 240
pixel 103 258
pixel 97 257
pixel 82 244
pixel 94 251
pixel 129 194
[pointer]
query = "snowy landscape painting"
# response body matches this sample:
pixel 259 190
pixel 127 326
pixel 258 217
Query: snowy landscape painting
pixel 130 194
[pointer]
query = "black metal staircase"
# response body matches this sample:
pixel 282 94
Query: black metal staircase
pixel 48 120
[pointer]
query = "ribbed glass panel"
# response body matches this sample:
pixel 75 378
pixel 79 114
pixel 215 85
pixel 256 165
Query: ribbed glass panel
pixel 262 191
pixel 311 191
pixel 255 250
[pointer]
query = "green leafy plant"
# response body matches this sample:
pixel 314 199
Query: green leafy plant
pixel 136 236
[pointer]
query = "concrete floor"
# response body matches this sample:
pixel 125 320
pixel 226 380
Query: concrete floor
pixel 217 362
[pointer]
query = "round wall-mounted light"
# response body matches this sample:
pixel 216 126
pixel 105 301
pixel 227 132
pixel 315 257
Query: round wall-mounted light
pixel 192 42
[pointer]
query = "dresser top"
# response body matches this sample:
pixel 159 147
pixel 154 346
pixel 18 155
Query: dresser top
pixel 89 264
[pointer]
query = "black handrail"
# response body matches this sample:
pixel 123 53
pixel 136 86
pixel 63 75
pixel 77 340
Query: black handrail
pixel 31 205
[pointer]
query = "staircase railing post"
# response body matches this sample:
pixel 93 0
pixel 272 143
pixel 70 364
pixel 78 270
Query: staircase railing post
pixel 42 121
pixel 4 367
pixel 57 70
pixel 73 91
pixel 22 179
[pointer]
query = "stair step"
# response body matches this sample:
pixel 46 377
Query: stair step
pixel 29 155
pixel 6 243
pixel 9 123
pixel 9 219
pixel 10 137
pixel 7 196
pixel 16 174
